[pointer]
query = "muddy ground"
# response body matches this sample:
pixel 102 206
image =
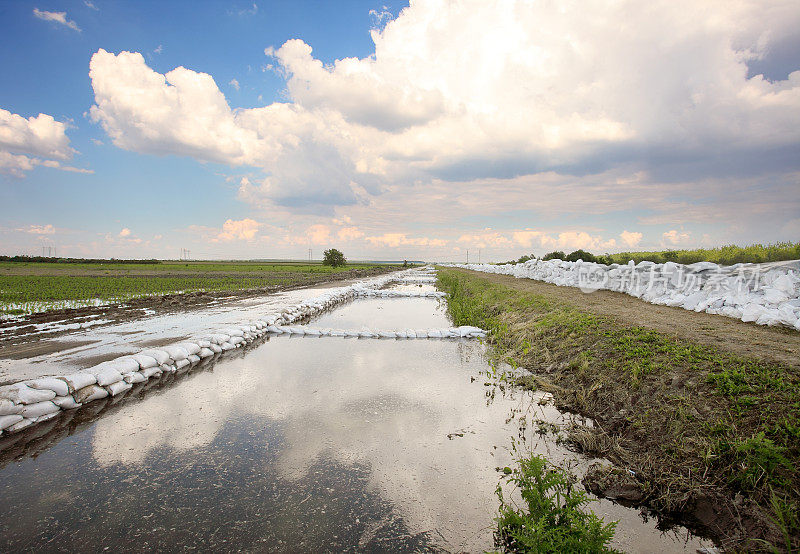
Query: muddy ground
pixel 19 339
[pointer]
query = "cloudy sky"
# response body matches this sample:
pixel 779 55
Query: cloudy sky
pixel 260 130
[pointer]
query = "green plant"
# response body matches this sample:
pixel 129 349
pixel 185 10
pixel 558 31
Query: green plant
pixel 555 255
pixel 580 255
pixel 552 518
pixel 334 258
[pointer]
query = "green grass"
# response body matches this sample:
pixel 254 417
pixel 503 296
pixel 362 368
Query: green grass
pixel 690 417
pixel 725 255
pixel 552 518
pixel 27 287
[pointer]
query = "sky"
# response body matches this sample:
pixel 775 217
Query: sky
pixel 435 131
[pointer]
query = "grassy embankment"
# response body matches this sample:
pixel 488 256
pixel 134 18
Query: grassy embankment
pixel 28 287
pixel 709 435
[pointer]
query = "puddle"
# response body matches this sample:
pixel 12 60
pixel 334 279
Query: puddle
pixel 298 445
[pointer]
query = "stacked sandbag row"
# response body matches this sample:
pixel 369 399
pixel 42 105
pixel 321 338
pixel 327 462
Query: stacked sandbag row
pixel 767 294
pixel 464 331
pixel 389 293
pixel 422 279
pixel 33 401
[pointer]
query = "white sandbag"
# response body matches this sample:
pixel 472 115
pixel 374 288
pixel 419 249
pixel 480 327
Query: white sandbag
pixel 160 356
pixel 7 421
pixel 421 333
pixel 411 334
pixel 206 352
pixel 752 312
pixel 227 346
pixel 39 409
pixel 216 348
pixel 19 426
pixel 90 393
pixel 7 407
pixel 106 374
pixel 236 340
pixel 168 368
pixel 775 296
pixel 220 338
pixel 118 388
pixel 66 402
pixel 125 364
pixel 190 347
pixel 20 393
pixel 785 284
pixel 204 343
pixel 193 358
pixel 58 386
pixel 145 361
pixel 134 377
pixel 434 334
pixel 337 333
pixel 387 334
pixel 176 352
pixel 233 332
pixel 151 372
pixel 80 380
pixel 312 332
pixel 180 364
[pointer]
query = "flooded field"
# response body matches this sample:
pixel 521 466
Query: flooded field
pixel 297 444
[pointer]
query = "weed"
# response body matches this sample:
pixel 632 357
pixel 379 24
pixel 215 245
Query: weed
pixel 553 518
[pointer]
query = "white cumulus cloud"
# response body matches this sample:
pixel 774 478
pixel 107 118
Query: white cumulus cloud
pixel 630 238
pixel 485 90
pixel 29 142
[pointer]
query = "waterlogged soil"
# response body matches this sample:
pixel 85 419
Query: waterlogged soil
pixel 298 444
pixel 737 337
pixel 32 335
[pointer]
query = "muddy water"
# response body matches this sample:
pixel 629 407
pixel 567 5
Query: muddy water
pixel 302 444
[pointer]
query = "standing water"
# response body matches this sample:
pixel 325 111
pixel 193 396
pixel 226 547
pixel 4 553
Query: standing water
pixel 303 444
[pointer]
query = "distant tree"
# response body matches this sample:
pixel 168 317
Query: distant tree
pixel 556 255
pixel 334 258
pixel 580 255
pixel 405 263
pixel 524 259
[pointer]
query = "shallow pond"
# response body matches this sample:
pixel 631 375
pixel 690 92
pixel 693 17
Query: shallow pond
pixel 301 444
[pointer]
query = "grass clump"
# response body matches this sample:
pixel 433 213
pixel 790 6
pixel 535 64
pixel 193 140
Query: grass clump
pixel 552 518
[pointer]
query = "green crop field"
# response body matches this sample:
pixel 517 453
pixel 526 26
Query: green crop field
pixel 27 287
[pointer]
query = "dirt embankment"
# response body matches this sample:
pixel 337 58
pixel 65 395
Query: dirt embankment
pixel 724 333
pixel 12 329
pixel 700 414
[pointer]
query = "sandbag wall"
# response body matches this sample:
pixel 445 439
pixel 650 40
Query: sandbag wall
pixel 34 401
pixel 767 294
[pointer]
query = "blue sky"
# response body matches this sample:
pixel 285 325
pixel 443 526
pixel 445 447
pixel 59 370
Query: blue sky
pixel 396 132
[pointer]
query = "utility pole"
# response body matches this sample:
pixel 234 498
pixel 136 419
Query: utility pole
pixel 479 255
pixel 467 255
pixel 309 254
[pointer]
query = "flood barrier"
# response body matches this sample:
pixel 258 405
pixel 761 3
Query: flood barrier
pixel 766 294
pixel 34 401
